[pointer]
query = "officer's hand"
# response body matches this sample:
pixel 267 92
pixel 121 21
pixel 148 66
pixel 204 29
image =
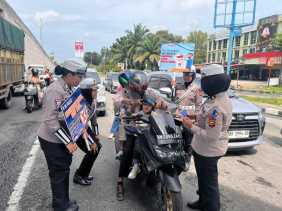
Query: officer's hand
pixel 72 147
pixel 94 147
pixel 187 122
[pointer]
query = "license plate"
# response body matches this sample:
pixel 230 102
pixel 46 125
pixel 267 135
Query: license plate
pixel 239 134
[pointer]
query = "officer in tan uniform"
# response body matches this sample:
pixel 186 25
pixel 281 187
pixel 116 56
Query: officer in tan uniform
pixel 210 139
pixel 53 138
pixel 191 96
pixel 189 100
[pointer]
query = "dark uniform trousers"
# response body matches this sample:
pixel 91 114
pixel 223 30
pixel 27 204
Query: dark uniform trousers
pixel 126 159
pixel 88 160
pixel 58 161
pixel 207 173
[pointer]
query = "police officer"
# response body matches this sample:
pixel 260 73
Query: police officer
pixel 88 89
pixel 210 139
pixel 54 140
pixel 189 99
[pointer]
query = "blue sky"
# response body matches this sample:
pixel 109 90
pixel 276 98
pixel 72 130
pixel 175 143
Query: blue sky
pixel 99 22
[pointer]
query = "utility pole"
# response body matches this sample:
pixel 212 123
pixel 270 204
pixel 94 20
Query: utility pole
pixel 40 29
pixel 231 37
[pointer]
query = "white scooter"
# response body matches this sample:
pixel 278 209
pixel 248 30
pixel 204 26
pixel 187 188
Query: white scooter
pixel 33 94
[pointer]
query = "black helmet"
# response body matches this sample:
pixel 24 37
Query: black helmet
pixel 34 72
pixel 138 83
pixel 214 80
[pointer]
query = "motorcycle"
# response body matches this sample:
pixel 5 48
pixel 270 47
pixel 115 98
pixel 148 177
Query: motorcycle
pixel 33 94
pixel 161 155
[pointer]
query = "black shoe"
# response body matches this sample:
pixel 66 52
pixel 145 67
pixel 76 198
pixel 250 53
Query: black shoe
pixel 81 181
pixel 195 205
pixel 89 178
pixel 73 207
pixel 120 191
pixel 71 202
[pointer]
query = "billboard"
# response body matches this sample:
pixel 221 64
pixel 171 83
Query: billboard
pixel 235 13
pixel 176 55
pixel 267 29
pixel 79 49
pixel 75 114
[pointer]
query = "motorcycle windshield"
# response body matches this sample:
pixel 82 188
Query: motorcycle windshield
pixel 163 123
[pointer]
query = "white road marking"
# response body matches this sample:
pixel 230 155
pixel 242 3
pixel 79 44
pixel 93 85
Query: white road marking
pixel 15 197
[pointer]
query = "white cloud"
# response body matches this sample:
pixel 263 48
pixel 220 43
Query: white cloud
pixel 54 16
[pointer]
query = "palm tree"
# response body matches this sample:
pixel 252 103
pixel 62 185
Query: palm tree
pixel 119 50
pixel 149 51
pixel 135 39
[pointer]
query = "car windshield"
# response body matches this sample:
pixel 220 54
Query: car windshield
pixel 114 76
pixel 93 75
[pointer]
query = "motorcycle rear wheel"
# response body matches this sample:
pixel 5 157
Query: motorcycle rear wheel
pixel 29 106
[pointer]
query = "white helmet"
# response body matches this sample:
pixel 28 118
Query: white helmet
pixel 214 80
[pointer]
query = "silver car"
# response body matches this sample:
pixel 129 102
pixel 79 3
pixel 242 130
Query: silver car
pixel 247 124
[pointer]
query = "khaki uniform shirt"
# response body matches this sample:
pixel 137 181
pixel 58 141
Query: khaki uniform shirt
pixel 54 96
pixel 192 97
pixel 212 122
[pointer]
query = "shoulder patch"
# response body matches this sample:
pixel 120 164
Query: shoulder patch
pixel 58 102
pixel 212 117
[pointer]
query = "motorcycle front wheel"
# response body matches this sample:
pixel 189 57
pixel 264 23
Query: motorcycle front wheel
pixel 171 201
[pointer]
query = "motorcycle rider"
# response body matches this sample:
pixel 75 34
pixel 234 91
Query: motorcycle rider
pixel 38 84
pixel 148 105
pixel 54 141
pixel 210 139
pixel 88 89
pixel 135 89
pixel 190 97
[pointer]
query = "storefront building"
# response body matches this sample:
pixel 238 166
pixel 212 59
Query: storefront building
pixel 253 53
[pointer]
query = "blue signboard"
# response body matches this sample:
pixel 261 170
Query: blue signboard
pixel 176 55
pixel 75 113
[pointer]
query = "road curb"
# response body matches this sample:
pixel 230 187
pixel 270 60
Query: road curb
pixel 272 111
pixel 258 91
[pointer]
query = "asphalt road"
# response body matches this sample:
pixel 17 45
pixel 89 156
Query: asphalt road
pixel 248 180
pixel 17 134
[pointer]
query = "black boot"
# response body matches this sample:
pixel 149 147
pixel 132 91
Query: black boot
pixel 196 205
pixel 120 191
pixel 81 180
pixel 89 178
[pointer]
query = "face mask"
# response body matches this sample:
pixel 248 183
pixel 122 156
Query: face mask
pixel 187 84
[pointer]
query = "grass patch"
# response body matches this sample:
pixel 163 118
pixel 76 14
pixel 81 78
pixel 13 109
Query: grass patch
pixel 273 101
pixel 273 89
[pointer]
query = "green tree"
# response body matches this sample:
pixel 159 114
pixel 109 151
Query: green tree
pixel 135 40
pixel 277 42
pixel 166 37
pixel 92 58
pixel 149 52
pixel 119 50
pixel 199 38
